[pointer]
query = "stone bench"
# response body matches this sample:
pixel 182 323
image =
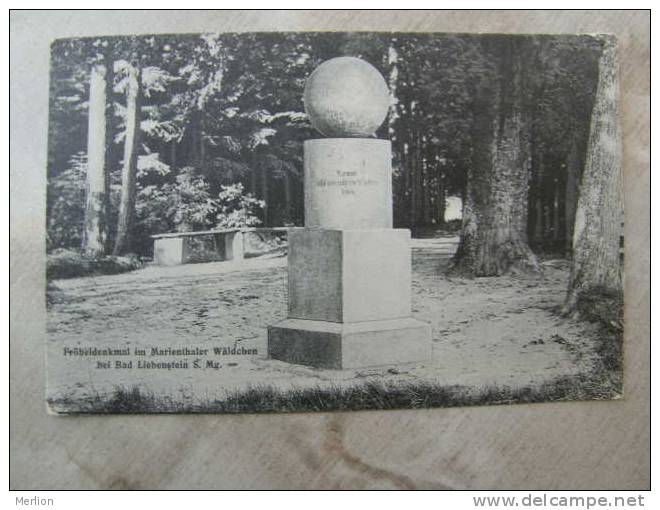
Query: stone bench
pixel 172 249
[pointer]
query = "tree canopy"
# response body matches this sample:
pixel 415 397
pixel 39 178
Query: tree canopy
pixel 219 111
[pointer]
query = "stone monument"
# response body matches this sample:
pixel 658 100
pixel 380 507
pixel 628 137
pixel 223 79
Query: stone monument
pixel 349 270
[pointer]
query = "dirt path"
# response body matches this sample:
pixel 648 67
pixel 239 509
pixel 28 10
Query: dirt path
pixel 487 331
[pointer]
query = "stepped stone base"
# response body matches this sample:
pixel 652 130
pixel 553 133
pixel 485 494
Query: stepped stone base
pixel 335 345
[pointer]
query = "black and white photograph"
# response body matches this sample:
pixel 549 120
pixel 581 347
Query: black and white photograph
pixel 292 250
pixel 333 221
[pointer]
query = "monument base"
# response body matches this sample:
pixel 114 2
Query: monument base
pixel 325 344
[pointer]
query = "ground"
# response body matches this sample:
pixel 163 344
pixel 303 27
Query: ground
pixel 495 336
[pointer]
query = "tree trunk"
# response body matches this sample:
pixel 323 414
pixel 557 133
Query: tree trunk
pixel 202 144
pixel 173 154
pixel 195 154
pixel 494 234
pixel 287 196
pixel 441 199
pixel 407 172
pixel 412 163
pixel 253 181
pixel 392 83
pixel 555 215
pixel 538 223
pixel 427 190
pixel 547 223
pixel 95 224
pixel 596 265
pixel 111 159
pixel 419 193
pixel 570 198
pixel 129 168
pixel 264 192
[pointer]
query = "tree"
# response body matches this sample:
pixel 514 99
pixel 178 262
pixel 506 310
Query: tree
pixel 229 106
pixel 236 209
pixel 94 226
pixel 431 80
pixel 596 264
pixel 562 76
pixel 129 168
pixel 68 140
pixel 66 210
pixel 494 233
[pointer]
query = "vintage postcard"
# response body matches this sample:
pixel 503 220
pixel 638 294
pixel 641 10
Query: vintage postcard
pixel 320 221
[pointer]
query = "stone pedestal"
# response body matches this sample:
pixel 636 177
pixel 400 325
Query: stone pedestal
pixel 349 275
pixel 349 270
pixel 348 183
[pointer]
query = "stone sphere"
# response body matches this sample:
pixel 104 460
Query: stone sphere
pixel 346 97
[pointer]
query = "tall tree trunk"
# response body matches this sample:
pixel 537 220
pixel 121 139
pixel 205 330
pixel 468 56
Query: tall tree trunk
pixel 494 234
pixel 596 265
pixel 97 185
pixel 419 193
pixel 414 197
pixel 555 215
pixel 538 222
pixel 110 146
pixel 129 168
pixel 173 154
pixel 253 181
pixel 195 154
pixel 287 196
pixel 442 198
pixel 264 193
pixel 392 84
pixel 571 194
pixel 547 222
pixel 202 143
pixel 427 190
pixel 407 171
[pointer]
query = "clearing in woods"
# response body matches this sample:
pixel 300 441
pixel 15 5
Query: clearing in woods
pixel 500 332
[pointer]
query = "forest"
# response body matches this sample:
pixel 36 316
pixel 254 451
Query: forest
pixel 163 133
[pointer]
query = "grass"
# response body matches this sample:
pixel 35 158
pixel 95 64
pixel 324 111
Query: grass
pixel 72 264
pixel 367 396
pixel 604 307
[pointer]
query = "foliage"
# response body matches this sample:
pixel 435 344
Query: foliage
pixel 66 193
pixel 154 208
pixel 62 263
pixel 183 205
pixel 189 204
pixel 193 205
pixel 151 163
pixel 230 107
pixel 237 209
